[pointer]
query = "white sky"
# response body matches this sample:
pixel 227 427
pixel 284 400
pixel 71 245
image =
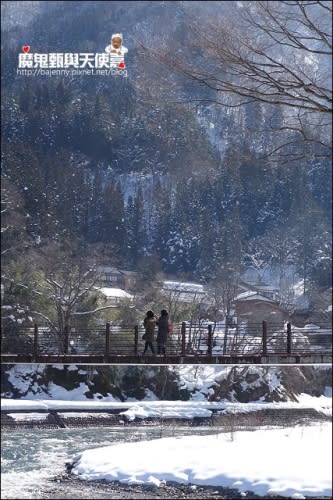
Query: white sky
pixel 291 462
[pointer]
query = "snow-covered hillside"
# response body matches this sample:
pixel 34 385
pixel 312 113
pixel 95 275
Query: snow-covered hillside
pixel 188 383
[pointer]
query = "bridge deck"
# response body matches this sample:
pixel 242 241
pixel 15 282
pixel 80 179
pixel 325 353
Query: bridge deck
pixel 270 359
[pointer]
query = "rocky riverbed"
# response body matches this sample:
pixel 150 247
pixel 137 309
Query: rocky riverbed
pixel 229 422
pixel 68 484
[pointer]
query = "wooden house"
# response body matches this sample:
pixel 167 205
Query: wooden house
pixel 254 308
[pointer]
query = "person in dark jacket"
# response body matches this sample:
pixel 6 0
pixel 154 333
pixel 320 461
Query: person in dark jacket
pixel 149 323
pixel 163 330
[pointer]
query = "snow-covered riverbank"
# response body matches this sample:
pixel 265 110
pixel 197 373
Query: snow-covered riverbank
pixel 131 410
pixel 293 462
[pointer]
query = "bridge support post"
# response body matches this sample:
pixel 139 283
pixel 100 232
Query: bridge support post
pixel 66 337
pixel 183 340
pixel 210 340
pixel 107 339
pixel 264 338
pixel 35 342
pixel 136 339
pixel 288 338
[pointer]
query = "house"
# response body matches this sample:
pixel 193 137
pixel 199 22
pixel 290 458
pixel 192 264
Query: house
pixel 254 308
pixel 110 276
pixel 184 292
pixel 113 277
pixel 269 291
pixel 130 279
pixel 115 296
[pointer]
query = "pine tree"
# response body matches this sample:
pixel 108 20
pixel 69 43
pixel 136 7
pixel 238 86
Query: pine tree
pixel 112 227
pixel 137 239
pixel 163 226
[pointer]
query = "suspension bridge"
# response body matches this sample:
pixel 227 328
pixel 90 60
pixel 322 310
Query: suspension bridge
pixel 189 343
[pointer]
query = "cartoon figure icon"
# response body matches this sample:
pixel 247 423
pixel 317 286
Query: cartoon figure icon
pixel 117 51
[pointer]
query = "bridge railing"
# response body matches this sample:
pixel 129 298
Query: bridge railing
pixel 186 339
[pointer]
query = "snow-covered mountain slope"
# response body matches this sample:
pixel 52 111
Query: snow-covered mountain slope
pixel 193 383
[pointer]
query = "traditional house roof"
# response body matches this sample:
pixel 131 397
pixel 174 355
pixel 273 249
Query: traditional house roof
pixel 184 292
pixel 108 269
pixel 251 295
pixel 183 287
pixel 115 293
pixel 269 291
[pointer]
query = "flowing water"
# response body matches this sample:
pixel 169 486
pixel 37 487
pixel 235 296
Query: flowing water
pixel 31 460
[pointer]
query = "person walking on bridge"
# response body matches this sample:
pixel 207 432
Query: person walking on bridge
pixel 149 323
pixel 163 330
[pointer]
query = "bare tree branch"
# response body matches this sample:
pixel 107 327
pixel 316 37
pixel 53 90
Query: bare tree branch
pixel 98 309
pixel 274 53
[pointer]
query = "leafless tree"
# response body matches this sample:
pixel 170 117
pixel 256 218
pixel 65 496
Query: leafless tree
pixel 257 257
pixel 223 291
pixel 277 53
pixel 67 291
pixel 62 290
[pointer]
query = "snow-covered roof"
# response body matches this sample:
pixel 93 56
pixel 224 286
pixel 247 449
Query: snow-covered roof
pixel 112 293
pixel 107 269
pixel 129 273
pixel 254 286
pixel 183 287
pixel 264 287
pixel 186 292
pixel 252 295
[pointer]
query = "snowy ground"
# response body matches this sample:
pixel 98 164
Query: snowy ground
pixel 292 462
pixel 167 409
